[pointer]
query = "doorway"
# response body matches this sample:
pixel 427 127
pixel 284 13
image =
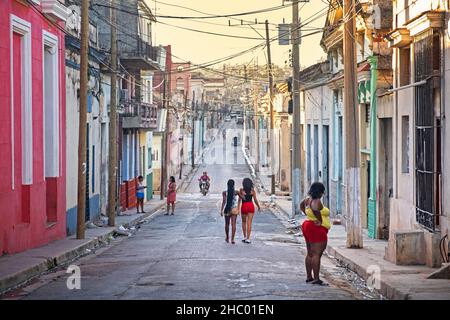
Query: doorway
pixel 340 167
pixel 386 177
pixel 316 153
pixel 325 161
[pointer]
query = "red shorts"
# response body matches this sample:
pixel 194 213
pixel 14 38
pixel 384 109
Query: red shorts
pixel 247 207
pixel 314 233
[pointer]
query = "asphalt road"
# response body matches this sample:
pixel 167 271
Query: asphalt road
pixel 185 256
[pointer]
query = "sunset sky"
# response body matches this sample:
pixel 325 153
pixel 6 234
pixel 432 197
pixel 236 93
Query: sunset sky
pixel 201 48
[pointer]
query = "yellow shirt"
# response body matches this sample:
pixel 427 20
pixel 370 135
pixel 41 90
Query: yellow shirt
pixel 325 213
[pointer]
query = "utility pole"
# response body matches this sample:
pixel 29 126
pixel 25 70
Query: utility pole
pixel 82 129
pixel 271 140
pixel 193 110
pixel 297 141
pixel 112 165
pixel 245 109
pixel 184 133
pixel 164 152
pixel 256 95
pixel 272 157
pixel 352 169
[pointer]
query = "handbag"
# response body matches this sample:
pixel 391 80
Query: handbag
pixel 234 211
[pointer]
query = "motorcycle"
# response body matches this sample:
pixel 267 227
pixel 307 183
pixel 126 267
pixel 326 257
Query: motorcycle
pixel 204 188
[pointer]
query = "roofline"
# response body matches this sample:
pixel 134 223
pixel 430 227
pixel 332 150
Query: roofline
pixel 147 10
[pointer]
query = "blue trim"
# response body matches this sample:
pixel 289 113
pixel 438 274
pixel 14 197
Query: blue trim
pixel 89 102
pixel 71 214
pixel 72 64
pixel 92 71
pixel 93 169
pixel 73 44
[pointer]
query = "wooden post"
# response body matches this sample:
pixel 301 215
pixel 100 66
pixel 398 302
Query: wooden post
pixel 352 158
pixel 193 110
pixel 112 163
pixel 82 129
pixel 272 157
pixel 296 132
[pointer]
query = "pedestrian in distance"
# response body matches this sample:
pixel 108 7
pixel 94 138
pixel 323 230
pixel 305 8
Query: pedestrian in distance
pixel 315 231
pixel 171 195
pixel 140 194
pixel 247 196
pixel 230 210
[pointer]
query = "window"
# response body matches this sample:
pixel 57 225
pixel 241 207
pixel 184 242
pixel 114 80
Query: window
pixel 149 33
pixel 50 84
pixel 367 108
pixel 405 144
pixel 21 88
pixel 405 66
pixel 149 157
pixel 336 58
pixel 308 151
pixel 155 155
pixel 51 110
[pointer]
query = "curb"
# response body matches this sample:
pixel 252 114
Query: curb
pixel 49 263
pixel 386 289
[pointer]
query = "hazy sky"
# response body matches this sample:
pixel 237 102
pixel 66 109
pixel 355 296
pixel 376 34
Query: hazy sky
pixel 201 48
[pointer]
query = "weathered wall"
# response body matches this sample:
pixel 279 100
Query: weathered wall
pixel 98 143
pixel 23 221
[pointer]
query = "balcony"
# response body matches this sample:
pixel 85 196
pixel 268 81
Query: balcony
pixel 140 116
pixel 55 10
pixel 143 57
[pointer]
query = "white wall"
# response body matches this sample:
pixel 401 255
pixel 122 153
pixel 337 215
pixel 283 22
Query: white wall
pixel 72 127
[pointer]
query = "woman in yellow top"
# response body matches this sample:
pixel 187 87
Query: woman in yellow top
pixel 315 229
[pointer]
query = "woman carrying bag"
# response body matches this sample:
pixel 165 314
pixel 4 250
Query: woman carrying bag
pixel 230 210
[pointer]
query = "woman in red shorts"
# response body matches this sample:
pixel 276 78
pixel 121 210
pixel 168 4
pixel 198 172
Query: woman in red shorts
pixel 247 195
pixel 315 230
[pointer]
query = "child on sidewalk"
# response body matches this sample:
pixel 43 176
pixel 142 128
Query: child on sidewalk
pixel 140 194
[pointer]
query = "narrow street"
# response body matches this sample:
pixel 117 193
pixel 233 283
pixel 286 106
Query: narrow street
pixel 185 256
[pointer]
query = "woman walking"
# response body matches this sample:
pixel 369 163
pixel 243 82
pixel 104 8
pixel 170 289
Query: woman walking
pixel 247 195
pixel 315 229
pixel 171 195
pixel 230 210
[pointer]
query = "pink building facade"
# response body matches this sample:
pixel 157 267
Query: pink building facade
pixel 32 124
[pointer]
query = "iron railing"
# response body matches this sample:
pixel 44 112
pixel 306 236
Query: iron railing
pixel 426 172
pixel 146 114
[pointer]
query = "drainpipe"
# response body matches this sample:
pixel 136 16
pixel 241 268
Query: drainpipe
pixel 372 205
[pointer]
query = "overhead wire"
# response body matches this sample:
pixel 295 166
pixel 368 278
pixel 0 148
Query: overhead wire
pixel 206 65
pixel 217 61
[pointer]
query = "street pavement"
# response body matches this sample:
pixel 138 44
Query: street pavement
pixel 185 256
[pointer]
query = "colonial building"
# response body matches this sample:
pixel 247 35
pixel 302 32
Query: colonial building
pixel 373 21
pixel 97 125
pixel 32 124
pixel 421 178
pixel 138 58
pixel 316 99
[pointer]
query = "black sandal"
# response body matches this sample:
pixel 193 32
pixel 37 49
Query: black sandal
pixel 309 280
pixel 319 282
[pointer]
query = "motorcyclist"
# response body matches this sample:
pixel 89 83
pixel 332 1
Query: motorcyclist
pixel 204 178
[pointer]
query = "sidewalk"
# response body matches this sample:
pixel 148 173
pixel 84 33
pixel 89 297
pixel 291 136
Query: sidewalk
pixel 19 268
pixel 393 282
